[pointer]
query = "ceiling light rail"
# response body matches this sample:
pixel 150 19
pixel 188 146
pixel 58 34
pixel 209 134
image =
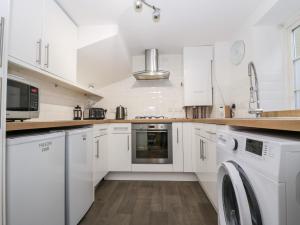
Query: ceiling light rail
pixel 156 12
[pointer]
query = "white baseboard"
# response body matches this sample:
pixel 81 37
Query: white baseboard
pixel 148 176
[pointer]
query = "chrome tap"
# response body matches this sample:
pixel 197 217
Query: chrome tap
pixel 254 101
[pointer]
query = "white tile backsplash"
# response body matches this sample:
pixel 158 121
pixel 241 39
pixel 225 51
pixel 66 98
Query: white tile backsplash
pixel 159 97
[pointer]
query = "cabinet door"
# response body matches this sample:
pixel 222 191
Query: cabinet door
pixel 60 47
pixel 103 141
pixel 210 152
pixel 196 153
pixel 97 169
pixel 177 147
pixel 187 139
pixel 120 152
pixel 4 28
pixel 197 75
pixel 26 31
pixel 100 158
pixel 202 155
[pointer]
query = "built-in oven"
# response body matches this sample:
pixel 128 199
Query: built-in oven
pixel 22 99
pixel 152 144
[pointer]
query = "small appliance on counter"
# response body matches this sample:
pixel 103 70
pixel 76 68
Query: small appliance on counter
pixel 198 112
pixel 94 114
pixel 22 99
pixel 225 111
pixel 77 113
pixel 121 113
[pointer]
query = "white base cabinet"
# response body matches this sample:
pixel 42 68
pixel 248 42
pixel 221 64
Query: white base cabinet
pixel 187 139
pixel 204 158
pixel 194 151
pixel 177 147
pixel 100 153
pixel 120 148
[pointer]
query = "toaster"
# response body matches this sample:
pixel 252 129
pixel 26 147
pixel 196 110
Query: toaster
pixel 94 114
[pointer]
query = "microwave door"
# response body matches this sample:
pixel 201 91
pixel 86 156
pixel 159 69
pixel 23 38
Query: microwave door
pixel 18 102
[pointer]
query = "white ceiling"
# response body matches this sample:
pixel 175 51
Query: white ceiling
pixel 183 22
pixel 104 62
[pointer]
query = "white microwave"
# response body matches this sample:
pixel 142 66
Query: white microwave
pixel 22 99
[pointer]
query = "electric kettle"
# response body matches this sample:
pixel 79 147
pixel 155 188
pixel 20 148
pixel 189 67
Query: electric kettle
pixel 121 113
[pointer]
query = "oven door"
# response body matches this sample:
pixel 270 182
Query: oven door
pixel 152 146
pixel 18 99
pixel 238 204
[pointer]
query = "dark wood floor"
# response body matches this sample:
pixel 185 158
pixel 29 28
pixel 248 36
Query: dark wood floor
pixel 150 203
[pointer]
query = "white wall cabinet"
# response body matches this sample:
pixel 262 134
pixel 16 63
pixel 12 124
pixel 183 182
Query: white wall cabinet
pixel 100 153
pixel 198 75
pixel 120 148
pixel 177 147
pixel 60 39
pixel 26 32
pixel 44 37
pixel 4 28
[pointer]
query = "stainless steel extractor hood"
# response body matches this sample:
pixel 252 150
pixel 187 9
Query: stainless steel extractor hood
pixel 151 71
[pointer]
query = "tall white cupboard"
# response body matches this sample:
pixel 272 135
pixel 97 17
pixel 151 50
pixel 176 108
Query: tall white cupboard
pixel 197 64
pixel 4 28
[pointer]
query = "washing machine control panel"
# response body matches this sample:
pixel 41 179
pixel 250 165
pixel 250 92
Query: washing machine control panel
pixel 258 148
pixel 254 146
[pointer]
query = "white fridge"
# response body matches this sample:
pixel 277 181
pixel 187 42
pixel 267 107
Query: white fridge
pixel 35 176
pixel 79 174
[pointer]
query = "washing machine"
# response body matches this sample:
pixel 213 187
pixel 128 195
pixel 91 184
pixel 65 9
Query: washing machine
pixel 258 178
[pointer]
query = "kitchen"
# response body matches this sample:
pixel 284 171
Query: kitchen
pixel 150 112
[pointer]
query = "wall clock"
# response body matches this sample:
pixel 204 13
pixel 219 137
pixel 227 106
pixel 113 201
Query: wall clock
pixel 237 52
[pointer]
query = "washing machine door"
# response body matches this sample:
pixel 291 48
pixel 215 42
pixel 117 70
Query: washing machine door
pixel 237 202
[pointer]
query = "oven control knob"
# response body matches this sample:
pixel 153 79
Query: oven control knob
pixel 234 144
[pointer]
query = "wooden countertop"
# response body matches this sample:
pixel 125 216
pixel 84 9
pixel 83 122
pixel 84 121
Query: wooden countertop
pixel 284 124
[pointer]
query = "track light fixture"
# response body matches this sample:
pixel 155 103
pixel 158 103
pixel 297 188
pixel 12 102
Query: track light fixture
pixel 139 7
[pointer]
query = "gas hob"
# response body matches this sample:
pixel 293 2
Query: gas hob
pixel 150 117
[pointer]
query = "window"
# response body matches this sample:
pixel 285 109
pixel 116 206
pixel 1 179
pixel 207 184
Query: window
pixel 296 64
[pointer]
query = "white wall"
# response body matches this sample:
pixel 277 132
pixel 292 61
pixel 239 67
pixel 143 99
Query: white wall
pixel 103 62
pixel 148 97
pixel 266 47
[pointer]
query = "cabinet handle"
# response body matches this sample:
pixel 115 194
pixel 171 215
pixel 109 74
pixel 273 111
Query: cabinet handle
pixel 39 51
pixel 2 24
pixel 203 149
pixel 212 133
pixel 98 149
pixel 128 148
pixel 47 47
pixel 177 136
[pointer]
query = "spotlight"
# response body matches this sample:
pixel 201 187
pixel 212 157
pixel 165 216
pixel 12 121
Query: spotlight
pixel 156 15
pixel 138 5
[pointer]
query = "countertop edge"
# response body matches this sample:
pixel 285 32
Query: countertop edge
pixel 284 124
